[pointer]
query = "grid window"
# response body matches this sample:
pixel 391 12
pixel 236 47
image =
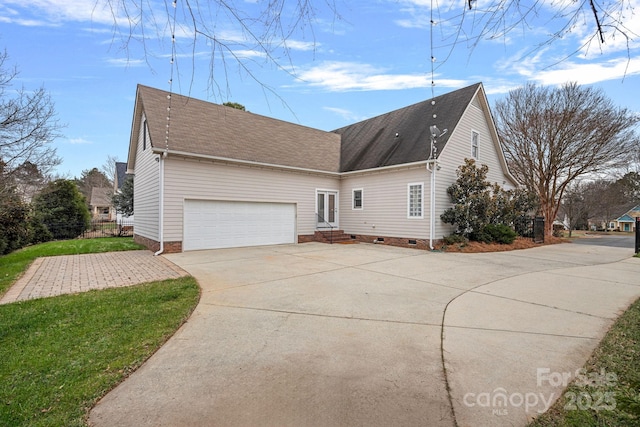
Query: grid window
pixel 474 144
pixel 357 199
pixel 415 200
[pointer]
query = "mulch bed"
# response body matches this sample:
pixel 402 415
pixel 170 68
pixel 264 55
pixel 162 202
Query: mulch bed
pixel 478 247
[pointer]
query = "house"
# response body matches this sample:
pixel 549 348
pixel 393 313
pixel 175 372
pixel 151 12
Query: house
pixel 210 176
pixel 120 177
pixel 100 204
pixel 627 221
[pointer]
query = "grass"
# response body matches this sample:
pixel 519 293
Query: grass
pixel 612 402
pixel 59 355
pixel 14 264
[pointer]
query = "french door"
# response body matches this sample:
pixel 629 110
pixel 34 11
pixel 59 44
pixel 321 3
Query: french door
pixel 326 209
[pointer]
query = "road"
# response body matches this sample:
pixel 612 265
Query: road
pixel 614 239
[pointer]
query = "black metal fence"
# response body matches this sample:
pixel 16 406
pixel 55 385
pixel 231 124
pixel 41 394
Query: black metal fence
pixel 532 228
pixel 97 228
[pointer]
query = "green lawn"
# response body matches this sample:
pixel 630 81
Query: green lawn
pixel 613 401
pixel 59 355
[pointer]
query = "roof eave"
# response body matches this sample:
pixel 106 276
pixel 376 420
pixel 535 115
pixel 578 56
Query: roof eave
pixel 156 150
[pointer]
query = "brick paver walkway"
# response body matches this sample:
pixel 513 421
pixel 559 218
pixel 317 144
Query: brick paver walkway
pixel 66 274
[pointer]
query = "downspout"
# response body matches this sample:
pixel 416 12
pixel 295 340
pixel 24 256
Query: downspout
pixel 161 209
pixel 432 202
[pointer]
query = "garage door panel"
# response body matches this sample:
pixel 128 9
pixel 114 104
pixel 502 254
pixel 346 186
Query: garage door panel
pixel 225 224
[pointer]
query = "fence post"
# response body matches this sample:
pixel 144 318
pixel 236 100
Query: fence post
pixel 638 235
pixel 538 229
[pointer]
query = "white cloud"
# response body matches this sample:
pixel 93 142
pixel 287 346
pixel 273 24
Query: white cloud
pixel 589 73
pixel 336 76
pixel 124 62
pixel 347 115
pixel 78 141
pixel 301 45
pixel 63 10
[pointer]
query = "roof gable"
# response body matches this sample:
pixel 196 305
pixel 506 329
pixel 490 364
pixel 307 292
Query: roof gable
pixel 402 136
pixel 100 196
pixel 205 129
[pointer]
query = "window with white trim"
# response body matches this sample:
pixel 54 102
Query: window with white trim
pixel 415 200
pixel 475 136
pixel 357 198
pixel 144 135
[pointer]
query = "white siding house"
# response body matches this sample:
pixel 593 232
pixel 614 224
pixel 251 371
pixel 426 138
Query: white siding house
pixel 219 177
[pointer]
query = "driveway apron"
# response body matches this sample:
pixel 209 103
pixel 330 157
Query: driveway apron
pixel 362 334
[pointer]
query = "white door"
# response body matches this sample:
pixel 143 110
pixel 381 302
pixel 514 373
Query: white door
pixel 327 209
pixel 225 224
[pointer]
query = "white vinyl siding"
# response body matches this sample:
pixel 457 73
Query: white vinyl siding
pixel 385 207
pixel 146 196
pixel 206 180
pixel 415 200
pixel 457 149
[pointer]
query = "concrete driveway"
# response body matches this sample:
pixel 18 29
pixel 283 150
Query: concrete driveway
pixel 330 335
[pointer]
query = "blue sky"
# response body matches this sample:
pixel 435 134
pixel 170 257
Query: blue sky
pixel 372 58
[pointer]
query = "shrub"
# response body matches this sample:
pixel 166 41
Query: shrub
pixel 498 233
pixel 453 239
pixel 14 226
pixel 62 209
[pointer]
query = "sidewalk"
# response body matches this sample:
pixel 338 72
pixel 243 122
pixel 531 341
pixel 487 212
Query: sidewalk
pixel 67 274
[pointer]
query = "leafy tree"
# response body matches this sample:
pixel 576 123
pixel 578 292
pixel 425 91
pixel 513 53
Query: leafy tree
pixel 471 198
pixel 62 209
pixel 14 223
pixel 123 200
pixel 90 178
pixel 480 209
pixel 629 185
pixel 553 136
pixel 234 105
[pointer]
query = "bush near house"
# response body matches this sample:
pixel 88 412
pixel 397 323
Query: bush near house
pixel 483 211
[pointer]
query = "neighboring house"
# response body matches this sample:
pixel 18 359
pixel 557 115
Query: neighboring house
pixel 219 177
pixel 120 177
pixel 627 222
pixel 100 204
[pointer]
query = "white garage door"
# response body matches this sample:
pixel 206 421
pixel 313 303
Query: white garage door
pixel 225 224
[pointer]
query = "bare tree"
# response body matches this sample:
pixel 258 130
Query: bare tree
pixel 601 22
pixel 552 136
pixel 108 168
pixel 575 206
pixel 236 34
pixel 28 125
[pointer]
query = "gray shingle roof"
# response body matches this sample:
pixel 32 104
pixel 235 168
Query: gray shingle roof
pixel 101 196
pixel 372 143
pixel 121 173
pixel 207 129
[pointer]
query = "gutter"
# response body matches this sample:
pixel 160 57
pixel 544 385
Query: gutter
pixel 161 207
